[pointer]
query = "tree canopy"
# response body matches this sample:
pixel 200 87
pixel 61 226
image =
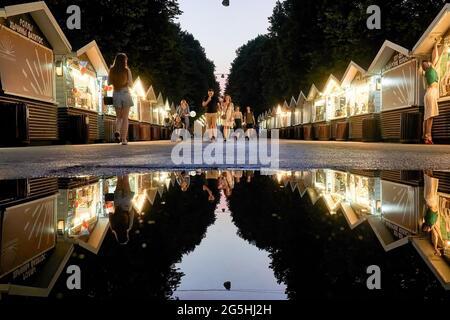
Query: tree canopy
pixel 308 40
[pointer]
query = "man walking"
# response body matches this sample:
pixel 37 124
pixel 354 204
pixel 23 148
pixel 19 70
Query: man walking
pixel 211 104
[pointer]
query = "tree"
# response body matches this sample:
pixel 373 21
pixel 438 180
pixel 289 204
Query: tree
pixel 311 39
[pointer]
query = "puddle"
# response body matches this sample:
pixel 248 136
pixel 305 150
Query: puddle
pixel 226 235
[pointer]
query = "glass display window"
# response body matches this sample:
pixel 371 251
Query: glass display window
pixel 357 97
pixel 444 70
pixel 320 110
pixel 85 89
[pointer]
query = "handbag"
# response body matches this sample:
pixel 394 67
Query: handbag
pixel 108 101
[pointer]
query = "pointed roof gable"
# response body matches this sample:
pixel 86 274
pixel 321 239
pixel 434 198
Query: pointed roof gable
pixel 387 50
pixel 138 88
pixel 293 103
pixel 350 73
pixel 151 96
pixel 95 56
pixel 160 100
pixel 313 92
pixel 437 28
pixel 331 84
pixel 46 22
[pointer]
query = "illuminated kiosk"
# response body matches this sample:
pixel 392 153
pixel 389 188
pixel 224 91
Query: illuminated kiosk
pixel 362 100
pixel 82 215
pixel 80 77
pixel 363 198
pixel 401 88
pixel 138 94
pixel 402 207
pixel 30 38
pixel 439 28
pixel 307 117
pixel 290 118
pixel 335 111
pixel 153 116
pixel 297 116
pixel 33 255
pixel 158 117
pixel 439 265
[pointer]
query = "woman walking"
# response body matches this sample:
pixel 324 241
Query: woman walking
pixel 250 122
pixel 122 80
pixel 184 111
pixel 227 116
pixel 431 96
pixel 238 120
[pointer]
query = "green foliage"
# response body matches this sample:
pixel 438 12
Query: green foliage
pixel 310 39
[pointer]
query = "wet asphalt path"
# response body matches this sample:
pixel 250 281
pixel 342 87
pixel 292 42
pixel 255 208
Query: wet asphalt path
pixel 111 159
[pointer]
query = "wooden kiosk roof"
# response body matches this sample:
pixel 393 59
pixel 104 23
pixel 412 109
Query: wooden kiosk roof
pixel 46 22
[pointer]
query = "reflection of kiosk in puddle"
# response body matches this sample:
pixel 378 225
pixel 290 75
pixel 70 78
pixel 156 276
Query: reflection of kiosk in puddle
pixel 439 29
pixel 401 210
pixel 362 199
pixel 32 255
pixel 330 185
pixel 81 212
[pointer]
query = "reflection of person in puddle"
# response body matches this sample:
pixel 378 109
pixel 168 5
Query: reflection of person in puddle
pixel 431 218
pixel 121 220
pixel 211 183
pixel 183 180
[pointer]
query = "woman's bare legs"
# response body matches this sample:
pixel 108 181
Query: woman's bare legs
pixel 118 118
pixel 226 132
pixel 427 129
pixel 124 128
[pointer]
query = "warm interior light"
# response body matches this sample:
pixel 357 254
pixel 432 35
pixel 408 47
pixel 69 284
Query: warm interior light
pixel 59 68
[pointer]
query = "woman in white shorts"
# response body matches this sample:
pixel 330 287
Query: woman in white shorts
pixel 122 80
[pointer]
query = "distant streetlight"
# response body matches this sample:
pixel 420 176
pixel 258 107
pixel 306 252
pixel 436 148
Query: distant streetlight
pixel 226 3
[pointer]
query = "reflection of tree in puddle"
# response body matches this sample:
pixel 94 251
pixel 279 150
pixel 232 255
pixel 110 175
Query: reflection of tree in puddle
pixel 316 254
pixel 173 226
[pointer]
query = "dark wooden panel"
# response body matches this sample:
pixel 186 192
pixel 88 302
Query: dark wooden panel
pixel 73 183
pixel 317 130
pixel 444 181
pixel 390 123
pixel 43 186
pixel 63 123
pixel 356 126
pixel 411 178
pixel 43 122
pixel 366 173
pixel 441 124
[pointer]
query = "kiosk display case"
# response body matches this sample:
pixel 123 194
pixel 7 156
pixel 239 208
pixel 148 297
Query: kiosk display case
pixel 30 39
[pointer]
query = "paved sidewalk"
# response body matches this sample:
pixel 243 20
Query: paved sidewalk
pixel 105 159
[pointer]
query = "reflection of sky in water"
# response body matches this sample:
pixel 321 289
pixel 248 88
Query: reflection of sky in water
pixel 224 256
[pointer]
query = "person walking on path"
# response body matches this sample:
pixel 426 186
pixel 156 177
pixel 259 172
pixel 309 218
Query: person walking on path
pixel 249 119
pixel 211 104
pixel 238 120
pixel 121 79
pixel 227 116
pixel 184 112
